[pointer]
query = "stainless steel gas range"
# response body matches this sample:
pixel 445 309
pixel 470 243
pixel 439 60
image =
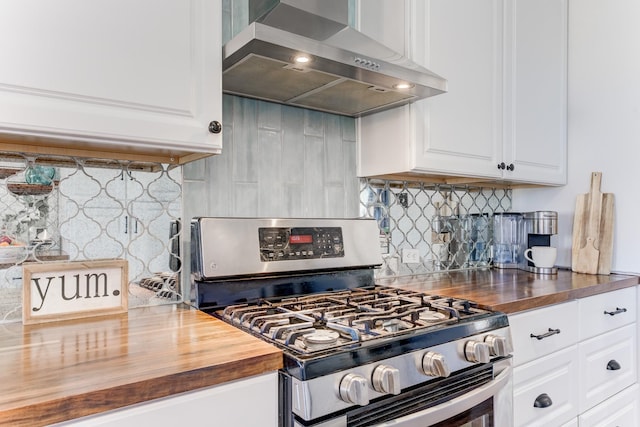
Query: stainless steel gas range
pixel 355 354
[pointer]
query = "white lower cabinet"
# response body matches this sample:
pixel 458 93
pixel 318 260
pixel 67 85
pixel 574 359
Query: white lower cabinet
pixel 537 333
pixel 620 410
pixel 544 392
pixel 607 365
pixel 244 403
pixel 606 312
pixel 575 363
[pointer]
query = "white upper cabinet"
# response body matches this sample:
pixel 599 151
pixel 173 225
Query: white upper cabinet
pixel 115 78
pixel 504 115
pixel 535 137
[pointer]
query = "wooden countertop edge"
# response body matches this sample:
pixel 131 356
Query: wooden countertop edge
pixel 601 288
pixel 511 291
pixel 93 402
pixel 512 307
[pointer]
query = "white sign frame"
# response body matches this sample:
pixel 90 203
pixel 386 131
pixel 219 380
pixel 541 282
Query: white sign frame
pixel 72 290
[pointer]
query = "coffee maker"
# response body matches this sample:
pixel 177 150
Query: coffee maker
pixel 515 232
pixel 538 227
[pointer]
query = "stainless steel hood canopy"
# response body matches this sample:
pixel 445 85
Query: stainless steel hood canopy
pixel 347 72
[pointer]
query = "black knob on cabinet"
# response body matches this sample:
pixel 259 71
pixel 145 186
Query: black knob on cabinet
pixel 511 167
pixel 543 401
pixel 502 165
pixel 613 365
pixel 215 127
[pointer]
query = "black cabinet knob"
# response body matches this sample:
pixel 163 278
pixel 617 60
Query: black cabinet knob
pixel 215 127
pixel 543 401
pixel 502 166
pixel 613 365
pixel 511 167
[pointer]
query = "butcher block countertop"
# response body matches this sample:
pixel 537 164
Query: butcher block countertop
pixel 62 370
pixel 512 290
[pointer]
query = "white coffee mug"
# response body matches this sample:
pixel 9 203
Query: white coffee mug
pixel 542 256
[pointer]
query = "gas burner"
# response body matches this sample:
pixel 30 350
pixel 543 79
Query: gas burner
pixel 395 325
pixel 320 339
pixel 432 316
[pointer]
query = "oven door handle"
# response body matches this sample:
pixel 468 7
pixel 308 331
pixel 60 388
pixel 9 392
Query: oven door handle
pixel 453 407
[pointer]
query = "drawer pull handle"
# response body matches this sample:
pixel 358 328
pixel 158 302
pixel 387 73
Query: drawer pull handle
pixel 613 365
pixel 546 335
pixel 618 311
pixel 542 401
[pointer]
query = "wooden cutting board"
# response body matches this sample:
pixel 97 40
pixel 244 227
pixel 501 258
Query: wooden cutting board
pixel 592 246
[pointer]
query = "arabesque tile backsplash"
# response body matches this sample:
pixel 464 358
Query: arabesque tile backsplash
pixel 61 208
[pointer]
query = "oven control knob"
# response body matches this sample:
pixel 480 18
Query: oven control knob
pixel 477 352
pixel 386 379
pixel 433 364
pixel 353 389
pixel 497 345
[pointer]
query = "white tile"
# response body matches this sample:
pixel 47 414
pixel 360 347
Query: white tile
pixel 334 201
pixel 293 200
pixel 270 183
pixel 269 116
pixel 334 164
pixel 245 200
pixel 314 123
pixel 313 177
pixel 293 145
pixel 245 140
pixel 348 128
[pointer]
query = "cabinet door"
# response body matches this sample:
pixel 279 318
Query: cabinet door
pixel 457 133
pixel 460 132
pixel 607 365
pixel 606 312
pixel 544 391
pixel 620 410
pixel 112 74
pixel 535 140
pixel 542 331
pixel 245 403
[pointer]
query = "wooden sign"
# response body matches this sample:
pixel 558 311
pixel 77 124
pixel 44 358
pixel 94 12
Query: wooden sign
pixel 71 290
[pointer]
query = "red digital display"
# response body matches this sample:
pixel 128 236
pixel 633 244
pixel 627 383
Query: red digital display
pixel 300 238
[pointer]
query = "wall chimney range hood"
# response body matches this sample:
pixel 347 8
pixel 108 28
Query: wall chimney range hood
pixel 304 53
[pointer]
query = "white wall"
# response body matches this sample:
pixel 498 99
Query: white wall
pixel 603 125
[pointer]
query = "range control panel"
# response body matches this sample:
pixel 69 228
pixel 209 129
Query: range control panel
pixel 295 243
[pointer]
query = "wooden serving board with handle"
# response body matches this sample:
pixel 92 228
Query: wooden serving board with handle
pixel 593 230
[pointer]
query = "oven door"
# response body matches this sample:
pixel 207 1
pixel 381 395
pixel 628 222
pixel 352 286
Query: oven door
pixel 487 406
